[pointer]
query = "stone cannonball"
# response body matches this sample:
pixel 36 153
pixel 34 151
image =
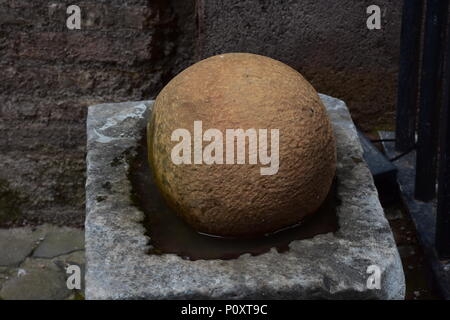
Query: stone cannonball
pixel 271 174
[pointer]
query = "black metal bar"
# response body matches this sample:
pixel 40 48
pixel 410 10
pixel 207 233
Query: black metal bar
pixel 408 74
pixel 425 186
pixel 443 207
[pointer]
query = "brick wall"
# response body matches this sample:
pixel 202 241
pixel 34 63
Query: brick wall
pixel 125 50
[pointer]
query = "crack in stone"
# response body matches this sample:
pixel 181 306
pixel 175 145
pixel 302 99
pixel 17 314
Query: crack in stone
pixel 58 255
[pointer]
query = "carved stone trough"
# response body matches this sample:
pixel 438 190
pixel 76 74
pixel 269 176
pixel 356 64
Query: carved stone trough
pixel 335 265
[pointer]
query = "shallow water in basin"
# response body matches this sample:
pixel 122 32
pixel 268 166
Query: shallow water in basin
pixel 170 234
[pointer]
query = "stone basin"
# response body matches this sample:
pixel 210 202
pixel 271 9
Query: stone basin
pixel 334 265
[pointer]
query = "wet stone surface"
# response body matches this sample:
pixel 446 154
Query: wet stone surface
pixel 169 233
pixel 332 265
pixel 60 241
pixel 33 262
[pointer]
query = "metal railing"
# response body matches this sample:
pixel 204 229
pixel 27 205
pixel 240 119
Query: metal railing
pixel 424 83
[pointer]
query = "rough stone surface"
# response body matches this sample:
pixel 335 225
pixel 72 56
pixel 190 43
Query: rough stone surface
pixel 29 277
pixel 243 91
pixel 37 279
pixel 61 241
pixel 16 244
pixel 330 266
pixel 5 274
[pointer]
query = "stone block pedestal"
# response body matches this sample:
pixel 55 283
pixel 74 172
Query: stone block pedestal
pixel 327 266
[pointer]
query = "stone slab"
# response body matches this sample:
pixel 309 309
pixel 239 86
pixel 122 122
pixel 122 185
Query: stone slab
pixel 16 244
pixel 34 261
pixel 37 279
pixel 327 266
pixel 60 241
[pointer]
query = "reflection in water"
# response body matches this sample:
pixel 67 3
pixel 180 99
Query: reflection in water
pixel 170 234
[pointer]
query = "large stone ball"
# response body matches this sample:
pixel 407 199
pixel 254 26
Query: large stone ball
pixel 241 91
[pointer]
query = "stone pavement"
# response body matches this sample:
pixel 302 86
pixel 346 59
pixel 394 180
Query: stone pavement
pixel 33 262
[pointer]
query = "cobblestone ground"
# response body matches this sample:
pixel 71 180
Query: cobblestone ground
pixel 33 262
